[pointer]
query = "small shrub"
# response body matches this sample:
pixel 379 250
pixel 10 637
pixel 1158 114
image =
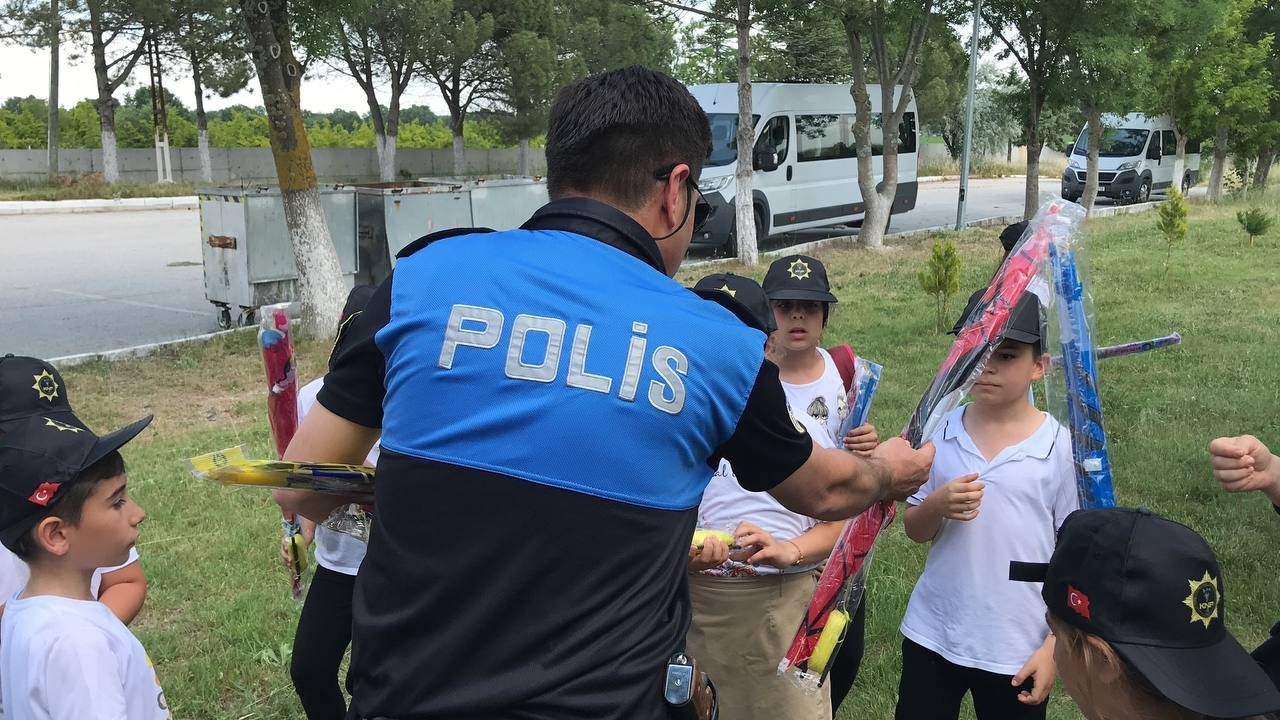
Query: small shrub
pixel 1254 222
pixel 940 277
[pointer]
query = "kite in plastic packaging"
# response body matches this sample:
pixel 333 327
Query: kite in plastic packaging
pixel 866 379
pixel 843 582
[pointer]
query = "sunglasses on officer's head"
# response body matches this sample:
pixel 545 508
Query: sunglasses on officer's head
pixel 702 210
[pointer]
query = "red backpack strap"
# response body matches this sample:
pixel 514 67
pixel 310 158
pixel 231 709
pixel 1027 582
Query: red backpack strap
pixel 844 359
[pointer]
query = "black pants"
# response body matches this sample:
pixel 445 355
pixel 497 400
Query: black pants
pixel 932 687
pixel 844 669
pixel 1268 655
pixel 324 631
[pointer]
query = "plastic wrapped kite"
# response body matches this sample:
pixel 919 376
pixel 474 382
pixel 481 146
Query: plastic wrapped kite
pixel 231 467
pixel 843 582
pixel 1073 395
pixel 866 379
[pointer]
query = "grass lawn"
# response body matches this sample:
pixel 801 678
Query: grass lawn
pixel 89 187
pixel 218 621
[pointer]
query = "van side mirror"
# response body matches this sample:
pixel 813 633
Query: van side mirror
pixel 765 160
pixel 1068 149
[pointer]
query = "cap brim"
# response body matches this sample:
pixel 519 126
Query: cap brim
pixel 1219 681
pixel 739 310
pixel 1021 336
pixel 817 295
pixel 114 441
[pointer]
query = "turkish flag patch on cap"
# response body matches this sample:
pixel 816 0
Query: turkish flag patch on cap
pixel 1079 602
pixel 44 493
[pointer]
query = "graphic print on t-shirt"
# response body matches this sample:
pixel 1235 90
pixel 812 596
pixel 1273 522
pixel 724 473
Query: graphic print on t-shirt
pixel 818 410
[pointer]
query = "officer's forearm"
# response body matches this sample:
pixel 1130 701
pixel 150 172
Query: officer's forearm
pixel 833 485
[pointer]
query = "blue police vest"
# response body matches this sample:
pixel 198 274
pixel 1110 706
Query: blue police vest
pixel 552 357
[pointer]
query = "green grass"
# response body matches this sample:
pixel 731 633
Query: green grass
pixel 988 168
pixel 89 187
pixel 218 621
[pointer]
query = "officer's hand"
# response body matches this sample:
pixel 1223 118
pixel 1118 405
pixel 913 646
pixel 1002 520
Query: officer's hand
pixel 907 468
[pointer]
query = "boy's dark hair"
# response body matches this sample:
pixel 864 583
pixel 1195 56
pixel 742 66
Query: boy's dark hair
pixel 612 133
pixel 71 504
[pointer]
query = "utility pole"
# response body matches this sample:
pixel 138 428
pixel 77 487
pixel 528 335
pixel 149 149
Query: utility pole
pixel 968 115
pixel 159 114
pixel 55 35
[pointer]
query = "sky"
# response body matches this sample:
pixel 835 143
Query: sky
pixel 25 72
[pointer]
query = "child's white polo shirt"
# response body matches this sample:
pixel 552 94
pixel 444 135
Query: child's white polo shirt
pixel 964 607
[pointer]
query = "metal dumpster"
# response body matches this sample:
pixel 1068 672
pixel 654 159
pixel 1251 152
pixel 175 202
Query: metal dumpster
pixel 248 259
pixel 389 216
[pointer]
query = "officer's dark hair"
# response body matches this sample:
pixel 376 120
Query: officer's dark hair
pixel 610 134
pixel 70 505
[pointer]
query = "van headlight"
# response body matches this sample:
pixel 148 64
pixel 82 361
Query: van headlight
pixel 1131 165
pixel 708 184
pixel 1074 163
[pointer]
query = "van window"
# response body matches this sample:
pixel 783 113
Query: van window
pixel 724 138
pixel 1193 147
pixel 824 137
pixel 830 137
pixel 775 137
pixel 1169 142
pixel 1116 142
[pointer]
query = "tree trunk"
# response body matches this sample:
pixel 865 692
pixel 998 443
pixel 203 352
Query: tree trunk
pixel 202 126
pixel 745 214
pixel 1179 157
pixel 55 33
pixel 1091 164
pixel 1220 137
pixel 387 160
pixel 522 159
pixel 107 123
pixel 321 289
pixel 1031 195
pixel 1263 169
pixel 456 123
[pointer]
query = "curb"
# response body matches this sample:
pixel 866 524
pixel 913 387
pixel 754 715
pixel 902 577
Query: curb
pixel 141 351
pixel 50 207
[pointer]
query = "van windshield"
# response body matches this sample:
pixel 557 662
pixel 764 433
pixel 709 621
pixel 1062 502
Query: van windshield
pixel 1116 142
pixel 724 138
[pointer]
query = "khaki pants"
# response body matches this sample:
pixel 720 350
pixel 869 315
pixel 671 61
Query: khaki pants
pixel 741 629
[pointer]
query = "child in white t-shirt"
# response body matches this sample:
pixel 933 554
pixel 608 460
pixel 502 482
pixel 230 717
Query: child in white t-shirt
pixel 65 512
pixel 324 628
pixel 1002 482
pixel 747 604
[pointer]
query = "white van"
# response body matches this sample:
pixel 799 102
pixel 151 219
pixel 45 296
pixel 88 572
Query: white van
pixel 806 165
pixel 1135 158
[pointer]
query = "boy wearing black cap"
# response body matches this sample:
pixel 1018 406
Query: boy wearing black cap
pixel 64 511
pixel 1002 483
pixel 1138 607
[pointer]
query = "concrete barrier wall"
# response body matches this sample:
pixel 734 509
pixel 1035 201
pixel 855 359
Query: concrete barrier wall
pixel 254 165
pixel 937 153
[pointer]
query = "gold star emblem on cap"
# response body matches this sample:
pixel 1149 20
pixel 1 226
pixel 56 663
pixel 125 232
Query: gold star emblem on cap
pixel 46 387
pixel 62 427
pixel 799 270
pixel 727 289
pixel 1204 599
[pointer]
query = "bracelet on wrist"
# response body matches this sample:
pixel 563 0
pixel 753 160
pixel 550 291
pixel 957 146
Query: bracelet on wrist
pixel 799 553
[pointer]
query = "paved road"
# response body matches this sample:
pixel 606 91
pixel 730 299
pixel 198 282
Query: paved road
pixel 82 283
pixel 77 283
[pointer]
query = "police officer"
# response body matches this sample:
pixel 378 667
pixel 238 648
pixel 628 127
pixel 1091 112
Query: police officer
pixel 551 405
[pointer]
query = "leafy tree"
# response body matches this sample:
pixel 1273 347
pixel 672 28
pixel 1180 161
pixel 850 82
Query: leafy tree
pixel 1036 34
pixel 706 54
pixel 321 289
pixel 461 58
pixel 885 41
pixel 995 124
pixel 377 43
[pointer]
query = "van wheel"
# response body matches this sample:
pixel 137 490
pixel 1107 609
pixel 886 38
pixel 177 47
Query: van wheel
pixel 1144 191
